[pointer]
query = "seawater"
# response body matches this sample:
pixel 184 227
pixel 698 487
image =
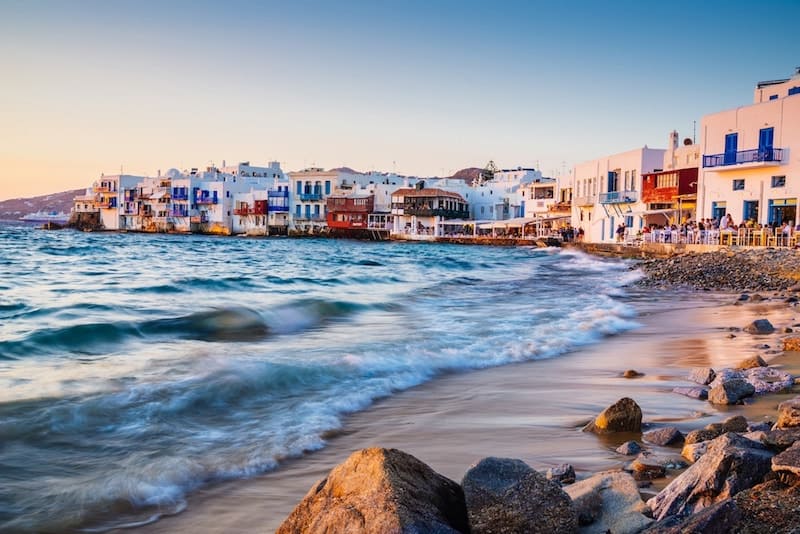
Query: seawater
pixel 135 368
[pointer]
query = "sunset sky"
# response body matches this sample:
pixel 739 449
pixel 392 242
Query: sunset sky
pixel 420 87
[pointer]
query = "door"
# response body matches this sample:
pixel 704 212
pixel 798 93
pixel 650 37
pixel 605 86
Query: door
pixel 731 146
pixel 765 138
pixel 718 210
pixel 750 210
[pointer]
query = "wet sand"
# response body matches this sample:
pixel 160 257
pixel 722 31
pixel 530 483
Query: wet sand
pixel 533 411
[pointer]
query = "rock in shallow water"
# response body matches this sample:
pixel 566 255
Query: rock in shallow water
pixel 731 391
pixel 664 436
pixel 629 448
pixel 622 416
pixel 693 392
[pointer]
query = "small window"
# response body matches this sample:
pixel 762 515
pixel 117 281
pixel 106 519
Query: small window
pixel 629 221
pixel 778 181
pixel 773 97
pixel 794 91
pixel 738 185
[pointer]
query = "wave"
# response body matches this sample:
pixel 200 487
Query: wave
pixel 237 323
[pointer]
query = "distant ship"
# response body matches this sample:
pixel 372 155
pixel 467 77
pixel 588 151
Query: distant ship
pixel 46 216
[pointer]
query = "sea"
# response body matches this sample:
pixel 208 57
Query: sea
pixel 136 369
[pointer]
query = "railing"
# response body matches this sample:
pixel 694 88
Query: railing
pixel 241 211
pixel 178 213
pixel 744 156
pixel 587 200
pixel 131 211
pixel 310 196
pixel 207 200
pixel 180 196
pixel 107 204
pixel 618 197
pixel 436 212
pixel 273 208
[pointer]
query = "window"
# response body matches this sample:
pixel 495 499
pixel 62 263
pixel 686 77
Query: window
pixel 629 221
pixel 633 180
pixel 299 187
pixel 738 185
pixel 778 181
pixel 773 97
pixel 327 187
pixel 794 91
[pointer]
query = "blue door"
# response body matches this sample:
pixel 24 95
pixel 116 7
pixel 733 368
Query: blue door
pixel 611 229
pixel 765 137
pixel 299 187
pixel 750 210
pixel 308 211
pixel 731 146
pixel 718 210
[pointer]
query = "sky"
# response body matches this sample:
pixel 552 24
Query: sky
pixel 417 87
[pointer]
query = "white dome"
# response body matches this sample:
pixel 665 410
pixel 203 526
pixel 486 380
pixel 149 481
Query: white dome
pixel 173 173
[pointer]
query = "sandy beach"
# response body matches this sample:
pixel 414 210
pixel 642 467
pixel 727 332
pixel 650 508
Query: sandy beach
pixel 532 411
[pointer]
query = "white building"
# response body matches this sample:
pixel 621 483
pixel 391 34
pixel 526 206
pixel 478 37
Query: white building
pixel 751 157
pixel 607 192
pixel 309 190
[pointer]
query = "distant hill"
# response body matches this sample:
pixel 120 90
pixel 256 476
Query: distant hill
pixel 469 175
pixel 345 169
pixel 17 207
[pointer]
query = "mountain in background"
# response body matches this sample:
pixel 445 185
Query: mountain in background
pixel 18 207
pixel 469 175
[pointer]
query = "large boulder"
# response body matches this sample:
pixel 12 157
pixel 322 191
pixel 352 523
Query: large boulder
pixel 380 490
pixel 507 496
pixel 769 507
pixel 781 438
pixel 620 509
pixel 731 391
pixel 721 518
pixel 622 416
pixel 730 465
pixel 788 413
pixel 760 326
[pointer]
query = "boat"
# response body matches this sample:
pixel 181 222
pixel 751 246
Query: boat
pixel 46 217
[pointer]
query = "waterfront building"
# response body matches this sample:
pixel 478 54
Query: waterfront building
pixel 607 193
pixel 105 198
pixel 751 157
pixel 670 193
pixel 419 211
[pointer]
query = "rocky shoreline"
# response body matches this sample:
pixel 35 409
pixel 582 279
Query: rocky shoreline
pixel 734 476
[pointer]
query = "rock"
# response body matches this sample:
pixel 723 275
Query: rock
pixel 730 465
pixel 631 373
pixel 756 427
pixel 744 297
pixel 621 510
pixel 756 298
pixel 736 423
pixel 753 361
pixel 702 375
pixel 664 436
pixel 564 474
pixel 769 507
pixel 791 344
pixel 758 436
pixel 759 327
pixel 629 448
pixel 693 451
pixel 788 460
pixel 380 490
pixel 731 392
pixel 768 380
pixel 781 438
pixel 788 330
pixel 649 465
pixel 788 413
pixel 720 518
pixel 505 495
pixel 623 416
pixel 693 392
pixel 703 434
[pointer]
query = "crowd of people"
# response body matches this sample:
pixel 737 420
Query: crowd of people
pixel 712 229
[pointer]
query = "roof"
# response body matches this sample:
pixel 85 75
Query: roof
pixel 427 192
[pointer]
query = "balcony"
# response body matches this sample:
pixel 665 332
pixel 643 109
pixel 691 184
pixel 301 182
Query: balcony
pixel 619 197
pixel 559 207
pixel 107 203
pixel 178 213
pixel 242 211
pixel 207 200
pixel 587 200
pixel 436 212
pixel 749 158
pixel 310 196
pixel 180 195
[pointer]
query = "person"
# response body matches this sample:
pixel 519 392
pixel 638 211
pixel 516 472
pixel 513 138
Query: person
pixel 580 233
pixel 620 232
